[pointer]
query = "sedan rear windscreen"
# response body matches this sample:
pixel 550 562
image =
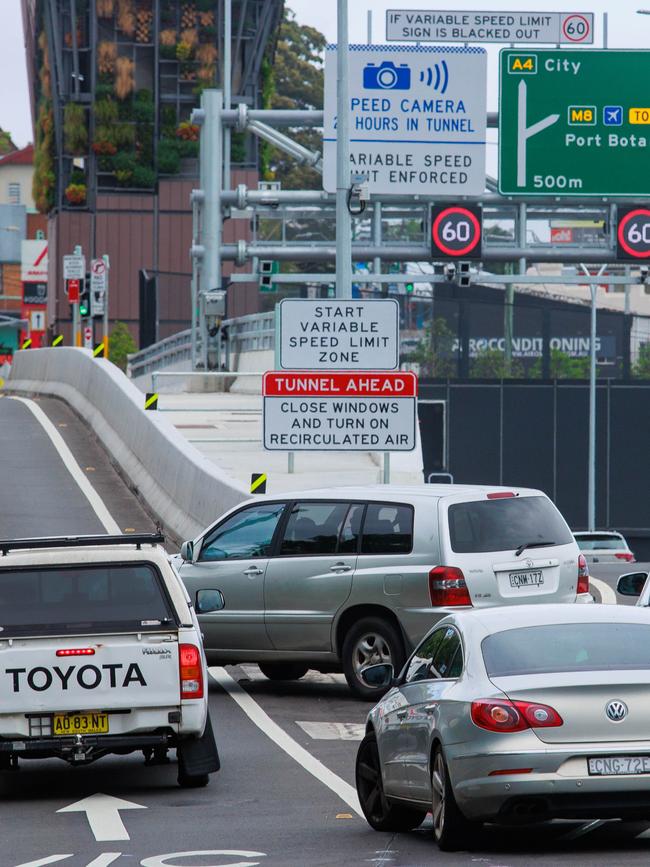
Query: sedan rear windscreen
pixel 60 600
pixel 503 524
pixel 567 647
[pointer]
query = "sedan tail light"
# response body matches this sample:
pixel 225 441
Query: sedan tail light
pixel 583 575
pixel 627 556
pixel 447 587
pixel 191 671
pixel 497 715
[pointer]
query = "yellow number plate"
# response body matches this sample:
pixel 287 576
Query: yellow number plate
pixel 80 724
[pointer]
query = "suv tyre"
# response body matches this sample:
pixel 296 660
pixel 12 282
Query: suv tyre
pixel 283 670
pixel 368 642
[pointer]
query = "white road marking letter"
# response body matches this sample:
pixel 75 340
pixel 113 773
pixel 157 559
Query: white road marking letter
pixel 42 862
pixel 161 860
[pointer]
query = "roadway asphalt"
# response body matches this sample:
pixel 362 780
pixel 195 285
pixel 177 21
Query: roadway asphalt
pixel 263 807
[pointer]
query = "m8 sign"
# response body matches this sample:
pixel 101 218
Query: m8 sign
pixel 339 411
pixel 456 232
pixel 633 233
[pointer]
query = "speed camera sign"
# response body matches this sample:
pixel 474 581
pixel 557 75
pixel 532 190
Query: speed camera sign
pixel 633 233
pixel 456 232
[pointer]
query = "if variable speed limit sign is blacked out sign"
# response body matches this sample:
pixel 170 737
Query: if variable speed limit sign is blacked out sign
pixel 339 411
pixel 456 232
pixel 633 233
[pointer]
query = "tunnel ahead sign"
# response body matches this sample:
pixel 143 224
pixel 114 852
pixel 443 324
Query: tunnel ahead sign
pixel 417 118
pixel 339 335
pixel 339 411
pixel 574 123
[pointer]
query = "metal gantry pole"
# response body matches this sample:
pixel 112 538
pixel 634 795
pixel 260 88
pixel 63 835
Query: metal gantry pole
pixel 591 484
pixel 343 218
pixel 227 88
pixel 211 166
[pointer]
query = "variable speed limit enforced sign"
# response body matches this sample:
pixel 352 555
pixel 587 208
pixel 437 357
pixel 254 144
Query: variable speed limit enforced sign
pixel 340 411
pixel 633 233
pixel 456 232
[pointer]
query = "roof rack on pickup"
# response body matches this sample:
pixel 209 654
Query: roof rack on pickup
pixel 137 539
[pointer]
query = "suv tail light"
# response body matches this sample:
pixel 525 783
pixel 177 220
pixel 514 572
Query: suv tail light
pixel 191 671
pixel 513 716
pixel 628 557
pixel 447 587
pixel 583 575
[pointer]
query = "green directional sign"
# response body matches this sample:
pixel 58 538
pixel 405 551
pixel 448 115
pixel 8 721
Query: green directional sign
pixel 574 122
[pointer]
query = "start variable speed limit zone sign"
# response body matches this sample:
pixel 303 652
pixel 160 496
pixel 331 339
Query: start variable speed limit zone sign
pixel 339 411
pixel 456 232
pixel 633 233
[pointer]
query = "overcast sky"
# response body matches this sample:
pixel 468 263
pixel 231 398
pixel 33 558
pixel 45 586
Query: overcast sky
pixel 626 30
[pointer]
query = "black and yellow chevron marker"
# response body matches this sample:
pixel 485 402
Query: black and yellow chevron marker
pixel 151 400
pixel 57 340
pixel 98 350
pixel 258 483
pixel 27 343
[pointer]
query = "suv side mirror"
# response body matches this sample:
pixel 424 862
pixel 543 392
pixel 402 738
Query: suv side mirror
pixel 208 601
pixel 632 583
pixel 379 675
pixel 187 552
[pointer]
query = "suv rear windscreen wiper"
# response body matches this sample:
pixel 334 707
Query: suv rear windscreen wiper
pixel 525 545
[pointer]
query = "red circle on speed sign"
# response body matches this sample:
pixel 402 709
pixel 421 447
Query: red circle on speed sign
pixel 577 20
pixel 625 228
pixel 448 216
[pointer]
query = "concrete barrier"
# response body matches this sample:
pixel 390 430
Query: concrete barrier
pixel 182 487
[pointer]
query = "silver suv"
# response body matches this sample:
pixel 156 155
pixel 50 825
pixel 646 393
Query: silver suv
pixel 342 578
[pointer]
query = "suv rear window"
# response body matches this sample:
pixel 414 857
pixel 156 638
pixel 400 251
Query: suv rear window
pixel 107 598
pixel 504 524
pixel 599 541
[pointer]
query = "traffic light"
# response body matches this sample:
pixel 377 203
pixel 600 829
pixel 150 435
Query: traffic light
pixel 409 287
pixel 84 301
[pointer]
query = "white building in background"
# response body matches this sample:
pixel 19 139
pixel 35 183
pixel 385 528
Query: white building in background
pixel 16 172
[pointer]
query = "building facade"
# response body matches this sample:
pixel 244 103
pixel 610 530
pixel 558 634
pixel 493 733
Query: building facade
pixel 113 85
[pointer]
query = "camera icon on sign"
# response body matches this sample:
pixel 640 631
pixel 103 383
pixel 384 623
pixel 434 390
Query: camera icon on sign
pixel 386 76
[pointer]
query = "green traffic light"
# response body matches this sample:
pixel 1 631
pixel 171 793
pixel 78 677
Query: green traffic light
pixel 409 287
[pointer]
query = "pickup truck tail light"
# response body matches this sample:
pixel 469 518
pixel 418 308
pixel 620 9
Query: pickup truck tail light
pixel 191 670
pixel 583 575
pixel 447 587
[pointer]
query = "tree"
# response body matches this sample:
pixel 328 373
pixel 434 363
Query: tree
pixel 435 354
pixel 492 364
pixel 562 366
pixel 641 368
pixel 120 345
pixel 294 81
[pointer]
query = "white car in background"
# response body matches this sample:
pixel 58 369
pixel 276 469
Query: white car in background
pixel 604 547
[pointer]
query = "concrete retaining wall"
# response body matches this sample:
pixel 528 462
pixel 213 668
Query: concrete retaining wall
pixel 182 487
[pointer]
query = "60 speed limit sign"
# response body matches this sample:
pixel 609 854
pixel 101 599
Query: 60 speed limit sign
pixel 456 232
pixel 633 233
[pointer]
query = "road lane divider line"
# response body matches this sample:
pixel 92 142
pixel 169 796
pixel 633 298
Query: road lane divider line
pixel 277 734
pixel 96 503
pixel 607 595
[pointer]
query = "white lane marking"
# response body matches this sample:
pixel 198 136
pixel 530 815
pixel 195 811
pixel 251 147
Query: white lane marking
pixel 105 859
pixel 97 504
pixel 103 814
pixel 41 862
pixel 584 829
pixel 253 672
pixel 332 731
pixel 263 721
pixel 607 595
pixel 161 860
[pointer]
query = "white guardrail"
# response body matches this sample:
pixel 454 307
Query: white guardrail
pixel 183 488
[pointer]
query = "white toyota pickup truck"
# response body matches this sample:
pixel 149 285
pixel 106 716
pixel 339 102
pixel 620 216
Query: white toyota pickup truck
pixel 101 652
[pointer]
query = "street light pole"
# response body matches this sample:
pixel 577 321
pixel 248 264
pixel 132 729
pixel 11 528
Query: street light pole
pixel 343 218
pixel 591 481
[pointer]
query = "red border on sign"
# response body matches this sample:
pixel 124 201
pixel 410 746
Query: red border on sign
pixel 464 250
pixel 566 35
pixel 619 233
pixel 330 383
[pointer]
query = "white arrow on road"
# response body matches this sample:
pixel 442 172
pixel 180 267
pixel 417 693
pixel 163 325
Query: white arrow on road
pixel 103 813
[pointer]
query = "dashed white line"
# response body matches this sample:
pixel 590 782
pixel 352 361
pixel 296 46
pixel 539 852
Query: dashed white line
pixel 96 503
pixel 272 730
